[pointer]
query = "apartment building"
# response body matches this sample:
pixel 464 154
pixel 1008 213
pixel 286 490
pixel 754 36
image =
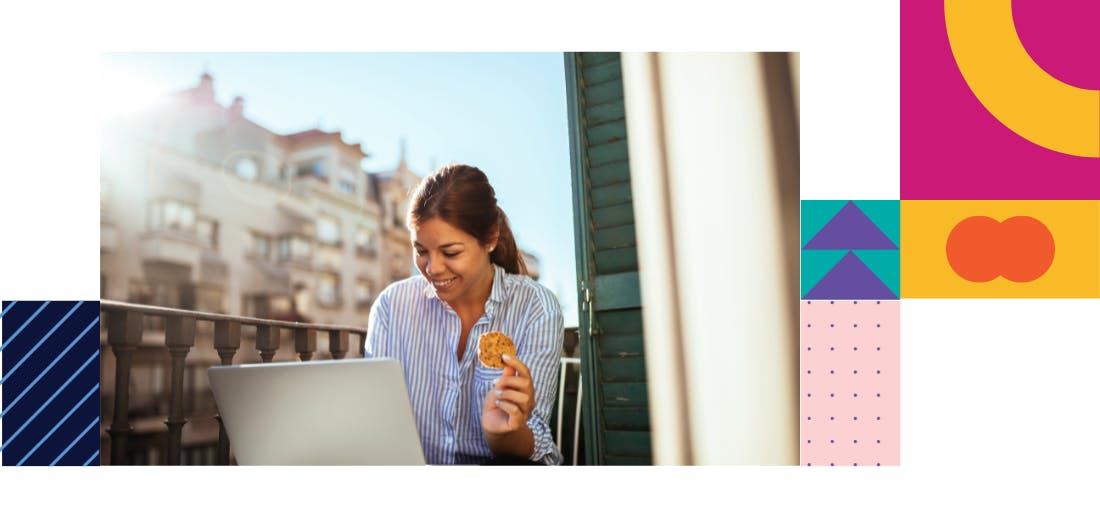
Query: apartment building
pixel 202 208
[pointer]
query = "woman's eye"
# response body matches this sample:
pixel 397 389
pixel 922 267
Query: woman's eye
pixel 450 254
pixel 420 252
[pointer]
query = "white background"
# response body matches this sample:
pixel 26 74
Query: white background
pixel 998 398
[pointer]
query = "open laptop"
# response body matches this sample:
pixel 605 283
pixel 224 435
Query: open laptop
pixel 339 412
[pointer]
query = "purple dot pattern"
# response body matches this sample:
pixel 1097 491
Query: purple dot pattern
pixel 867 342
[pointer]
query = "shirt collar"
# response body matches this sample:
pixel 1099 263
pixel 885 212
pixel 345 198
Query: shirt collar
pixel 497 293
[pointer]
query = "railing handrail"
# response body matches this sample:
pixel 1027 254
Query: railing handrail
pixel 219 317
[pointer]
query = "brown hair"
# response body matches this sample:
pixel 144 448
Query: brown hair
pixel 461 196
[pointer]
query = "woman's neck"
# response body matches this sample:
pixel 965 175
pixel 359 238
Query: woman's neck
pixel 473 307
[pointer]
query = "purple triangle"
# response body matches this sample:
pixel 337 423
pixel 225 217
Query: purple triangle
pixel 850 279
pixel 850 229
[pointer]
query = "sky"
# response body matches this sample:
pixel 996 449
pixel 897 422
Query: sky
pixel 502 112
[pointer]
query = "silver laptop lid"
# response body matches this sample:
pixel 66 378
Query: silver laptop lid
pixel 339 412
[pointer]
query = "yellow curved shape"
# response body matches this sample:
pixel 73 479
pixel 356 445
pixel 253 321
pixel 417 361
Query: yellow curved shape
pixel 1019 93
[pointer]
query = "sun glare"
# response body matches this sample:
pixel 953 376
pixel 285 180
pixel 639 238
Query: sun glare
pixel 124 92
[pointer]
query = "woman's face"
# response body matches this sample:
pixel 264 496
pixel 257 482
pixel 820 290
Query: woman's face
pixel 452 261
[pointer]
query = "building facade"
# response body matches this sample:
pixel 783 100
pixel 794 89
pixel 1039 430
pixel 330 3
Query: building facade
pixel 203 209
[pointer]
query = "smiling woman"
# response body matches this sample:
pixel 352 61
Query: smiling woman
pixel 472 282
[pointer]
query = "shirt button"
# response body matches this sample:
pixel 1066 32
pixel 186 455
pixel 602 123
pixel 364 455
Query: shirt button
pixel 450 441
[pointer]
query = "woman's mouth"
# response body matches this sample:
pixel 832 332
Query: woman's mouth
pixel 439 285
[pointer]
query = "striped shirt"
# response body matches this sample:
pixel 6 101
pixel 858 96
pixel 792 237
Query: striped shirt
pixel 409 322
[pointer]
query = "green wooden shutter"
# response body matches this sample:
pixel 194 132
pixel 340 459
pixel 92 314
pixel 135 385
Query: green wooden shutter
pixel 616 412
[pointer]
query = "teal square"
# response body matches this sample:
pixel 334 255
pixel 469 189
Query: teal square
pixel 860 272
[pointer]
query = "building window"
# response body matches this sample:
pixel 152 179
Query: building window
pixel 208 232
pixel 294 248
pixel 172 215
pixel 314 168
pixel 140 292
pixel 328 289
pixel 396 215
pixel 258 306
pixel 347 180
pixel 259 245
pixel 247 169
pixel 210 299
pixel 364 241
pixel 363 293
pixel 328 230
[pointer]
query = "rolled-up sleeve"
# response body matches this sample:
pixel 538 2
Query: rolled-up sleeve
pixel 540 350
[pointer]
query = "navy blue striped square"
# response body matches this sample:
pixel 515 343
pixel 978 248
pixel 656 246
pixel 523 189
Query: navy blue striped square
pixel 50 411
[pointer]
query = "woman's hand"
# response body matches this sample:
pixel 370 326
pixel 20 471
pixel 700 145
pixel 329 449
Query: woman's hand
pixel 506 409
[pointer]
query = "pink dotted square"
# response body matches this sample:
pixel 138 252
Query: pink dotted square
pixel 849 380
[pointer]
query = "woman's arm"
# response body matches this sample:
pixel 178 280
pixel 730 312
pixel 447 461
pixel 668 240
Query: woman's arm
pixel 377 343
pixel 519 424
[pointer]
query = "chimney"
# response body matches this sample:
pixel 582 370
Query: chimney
pixel 237 108
pixel 205 90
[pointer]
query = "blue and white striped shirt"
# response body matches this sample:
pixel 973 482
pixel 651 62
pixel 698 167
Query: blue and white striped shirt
pixel 410 323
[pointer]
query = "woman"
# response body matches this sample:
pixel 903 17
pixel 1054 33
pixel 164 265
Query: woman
pixel 472 281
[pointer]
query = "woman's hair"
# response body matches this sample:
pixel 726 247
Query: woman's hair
pixel 461 196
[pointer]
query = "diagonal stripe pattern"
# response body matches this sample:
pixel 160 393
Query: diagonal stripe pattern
pixel 50 379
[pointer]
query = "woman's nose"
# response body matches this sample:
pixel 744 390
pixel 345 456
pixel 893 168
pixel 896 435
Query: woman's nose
pixel 434 266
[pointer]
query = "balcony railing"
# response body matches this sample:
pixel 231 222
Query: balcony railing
pixel 125 331
pixel 126 336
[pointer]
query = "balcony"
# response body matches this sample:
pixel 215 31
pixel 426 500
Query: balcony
pixel 368 250
pixel 264 276
pixel 172 246
pixel 156 397
pixel 298 262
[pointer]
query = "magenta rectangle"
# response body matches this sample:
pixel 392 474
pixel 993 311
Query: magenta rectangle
pixel 952 147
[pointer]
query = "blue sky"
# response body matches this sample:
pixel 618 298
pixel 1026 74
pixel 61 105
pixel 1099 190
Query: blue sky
pixel 502 112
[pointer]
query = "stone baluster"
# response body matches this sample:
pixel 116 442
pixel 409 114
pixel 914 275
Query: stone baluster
pixel 227 341
pixel 338 344
pixel 179 336
pixel 124 331
pixel 305 343
pixel 267 341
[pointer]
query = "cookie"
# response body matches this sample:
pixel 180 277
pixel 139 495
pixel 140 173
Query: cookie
pixel 491 345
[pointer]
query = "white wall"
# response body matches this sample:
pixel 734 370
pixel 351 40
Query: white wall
pixel 722 288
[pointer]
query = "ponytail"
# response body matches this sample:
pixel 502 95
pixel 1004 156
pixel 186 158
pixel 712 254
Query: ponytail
pixel 507 254
pixel 461 195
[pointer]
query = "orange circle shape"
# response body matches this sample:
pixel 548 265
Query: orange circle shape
pixel 980 249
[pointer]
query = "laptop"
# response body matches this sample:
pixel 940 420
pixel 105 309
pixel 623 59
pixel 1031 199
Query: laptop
pixel 337 412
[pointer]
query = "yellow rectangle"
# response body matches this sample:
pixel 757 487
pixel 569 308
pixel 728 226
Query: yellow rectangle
pixel 926 271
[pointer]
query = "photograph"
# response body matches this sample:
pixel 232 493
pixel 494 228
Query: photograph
pixel 418 258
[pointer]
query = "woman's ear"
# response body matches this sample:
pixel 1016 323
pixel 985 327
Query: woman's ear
pixel 494 238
